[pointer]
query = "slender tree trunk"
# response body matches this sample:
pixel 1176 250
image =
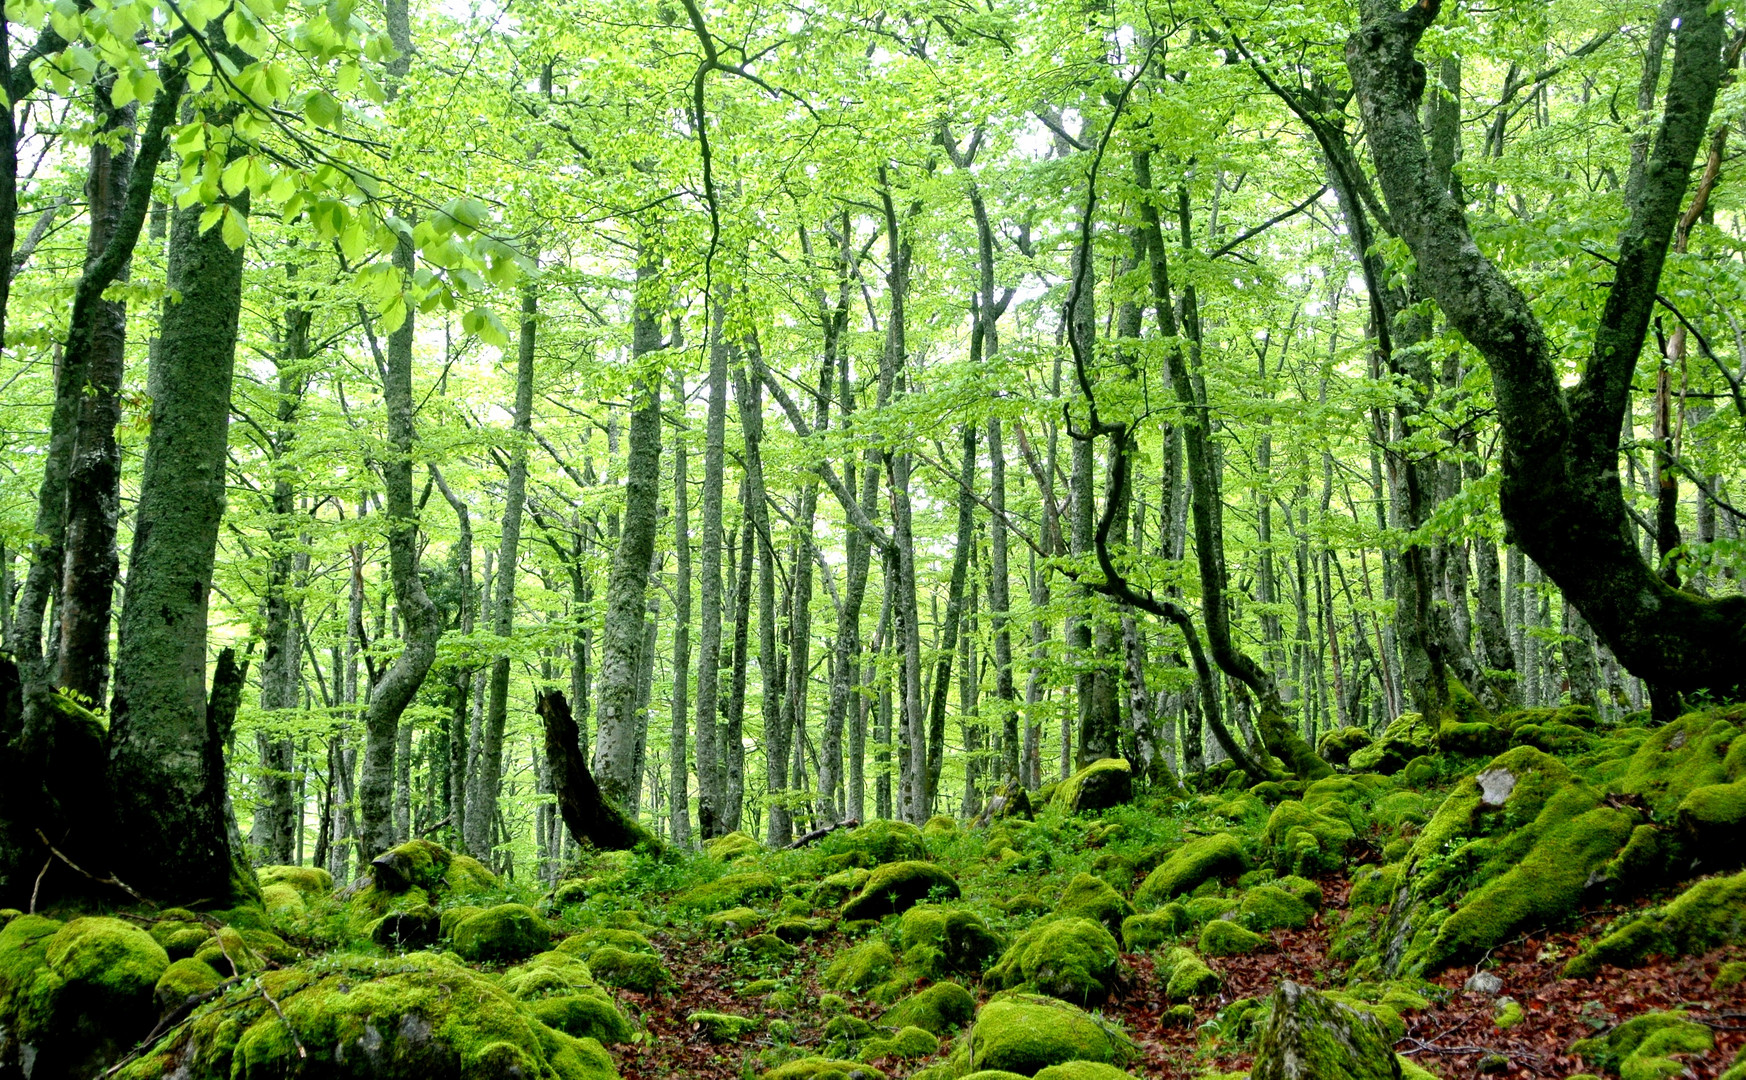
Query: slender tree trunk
pixel 734 789
pixel 679 788
pixel 710 790
pixel 615 744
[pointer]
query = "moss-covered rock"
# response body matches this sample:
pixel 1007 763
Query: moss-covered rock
pixel 993 1074
pixel 1100 785
pixel 639 971
pixel 906 1044
pixel 1710 913
pixel 1083 1070
pixel 1289 748
pixel 1068 957
pixel 1089 897
pixel 722 1027
pixel 956 940
pixel 500 934
pixel 73 995
pixel 822 1068
pixel 1197 861
pixel 1223 938
pixel 1186 976
pixel 422 1017
pixel 311 882
pixel 730 846
pixel 1307 841
pixel 733 890
pixel 883 841
pixel 1155 928
pixel 1025 1034
pixel 838 887
pixel 416 864
pixel 861 968
pixel 1676 759
pixel 734 921
pixel 561 993
pixel 1337 747
pixel 899 886
pixel 182 980
pixel 1407 736
pixel 939 1009
pixel 417 927
pixel 940 826
pixel 1269 907
pixel 1647 1047
pixel 1308 1036
pixel 1713 821
pixel 585 943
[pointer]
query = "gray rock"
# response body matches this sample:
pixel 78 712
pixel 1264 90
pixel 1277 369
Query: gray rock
pixel 1495 786
pixel 1483 982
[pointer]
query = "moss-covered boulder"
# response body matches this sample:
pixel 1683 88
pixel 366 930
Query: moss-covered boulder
pixel 184 979
pixel 1089 897
pixel 1269 907
pixel 1309 1036
pixel 501 934
pixel 417 1017
pixel 1712 819
pixel 882 841
pixel 939 1009
pixel 733 890
pixel 1711 913
pixel 905 1044
pixel 734 921
pixel 861 968
pixel 722 1027
pixel 561 993
pixel 1154 928
pixel 1407 736
pixel 1678 758
pixel 1186 976
pixel 417 927
pixel 1517 845
pixel 1100 785
pixel 1223 938
pixel 310 882
pixel 416 864
pixel 1308 841
pixel 585 943
pixel 1083 1070
pixel 1067 957
pixel 74 995
pixel 832 890
pixel 639 971
pixel 822 1068
pixel 1648 1047
pixel 730 846
pixel 940 826
pixel 899 886
pixel 1197 861
pixel 1025 1033
pixel 939 941
pixel 1337 747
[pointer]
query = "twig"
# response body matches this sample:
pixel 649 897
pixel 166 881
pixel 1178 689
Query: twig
pixel 110 880
pixel 172 1020
pixel 289 1030
pixel 428 829
pixel 37 888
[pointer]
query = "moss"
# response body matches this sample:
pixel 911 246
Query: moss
pixel 898 886
pixel 1222 938
pixel 416 928
pixel 734 890
pixel 1728 976
pixel 1070 958
pixel 1645 1047
pixel 1186 976
pixel 884 841
pixel 940 826
pixel 1543 889
pixel 1402 808
pixel 1421 772
pixel 1333 833
pixel 722 1027
pixel 585 944
pixel 310 881
pixel 423 1017
pixel 861 968
pixel 1218 855
pixel 1337 747
pixel 821 1068
pixel 734 921
pixel 1508 1013
pixel 1713 820
pixel 586 1016
pixel 794 930
pixel 958 937
pixel 1473 739
pixel 847 1029
pixel 282 902
pixel 1100 785
pixel 1083 1070
pixel 1024 1034
pixel 1304 889
pixel 1284 743
pixel 939 1009
pixel 416 864
pixel 455 916
pixel 1204 909
pixel 839 886
pixel 638 971
pixel 180 939
pixel 1268 907
pixel 730 846
pixel 1578 716
pixel 545 974
pixel 1375 886
pixel 1154 929
pixel 993 1074
pixel 502 933
pixel 1689 753
pixel 907 1044
pixel 1711 912
pixel 181 980
pixel 469 875
pixel 1308 1034
pixel 1089 897
pixel 1407 736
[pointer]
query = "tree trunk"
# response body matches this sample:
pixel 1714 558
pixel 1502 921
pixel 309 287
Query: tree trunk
pixel 166 763
pixel 591 817
pixel 710 780
pixel 679 785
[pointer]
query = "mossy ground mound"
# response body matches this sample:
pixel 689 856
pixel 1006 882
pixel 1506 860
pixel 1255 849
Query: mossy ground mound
pixel 899 886
pixel 1192 864
pixel 1067 957
pixel 1024 1034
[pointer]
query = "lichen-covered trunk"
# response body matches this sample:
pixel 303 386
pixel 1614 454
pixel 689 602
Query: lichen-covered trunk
pixel 757 511
pixel 710 777
pixel 948 645
pixel 679 820
pixel 615 747
pixel 166 761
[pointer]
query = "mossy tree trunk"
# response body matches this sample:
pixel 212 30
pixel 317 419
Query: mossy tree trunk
pixel 173 839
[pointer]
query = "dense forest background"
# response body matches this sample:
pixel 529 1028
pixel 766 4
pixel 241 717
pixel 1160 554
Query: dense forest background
pixel 852 410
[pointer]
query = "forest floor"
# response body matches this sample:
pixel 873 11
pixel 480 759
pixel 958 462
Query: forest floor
pixel 1454 1038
